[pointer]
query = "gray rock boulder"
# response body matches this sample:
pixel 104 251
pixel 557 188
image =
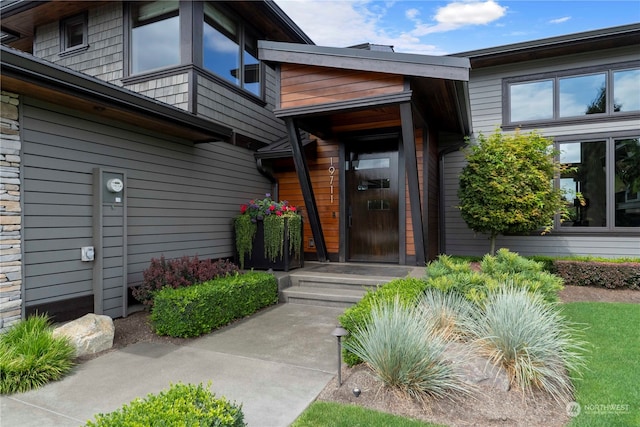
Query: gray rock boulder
pixel 89 334
pixel 475 369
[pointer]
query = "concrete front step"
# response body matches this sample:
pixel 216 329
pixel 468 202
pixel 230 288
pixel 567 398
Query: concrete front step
pixel 336 281
pixel 323 296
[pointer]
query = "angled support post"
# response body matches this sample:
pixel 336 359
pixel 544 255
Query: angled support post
pixel 307 190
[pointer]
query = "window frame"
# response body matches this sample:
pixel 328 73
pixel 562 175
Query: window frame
pixel 556 76
pixel 609 139
pixel 82 19
pixel 244 31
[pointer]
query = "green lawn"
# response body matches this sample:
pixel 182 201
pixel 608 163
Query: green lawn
pixel 328 414
pixel 609 392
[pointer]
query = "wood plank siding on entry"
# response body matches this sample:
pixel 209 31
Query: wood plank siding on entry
pixel 304 85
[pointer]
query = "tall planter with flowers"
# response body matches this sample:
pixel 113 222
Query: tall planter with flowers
pixel 268 234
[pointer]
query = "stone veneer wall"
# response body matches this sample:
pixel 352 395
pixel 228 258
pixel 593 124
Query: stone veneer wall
pixel 10 212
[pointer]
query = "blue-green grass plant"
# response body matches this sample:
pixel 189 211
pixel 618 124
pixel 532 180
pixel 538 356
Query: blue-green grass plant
pixel 531 339
pixel 30 356
pixel 404 354
pixel 446 313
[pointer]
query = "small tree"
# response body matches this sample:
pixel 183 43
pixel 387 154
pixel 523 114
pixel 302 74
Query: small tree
pixel 507 185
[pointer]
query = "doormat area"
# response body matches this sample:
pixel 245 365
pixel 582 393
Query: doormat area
pixel 361 270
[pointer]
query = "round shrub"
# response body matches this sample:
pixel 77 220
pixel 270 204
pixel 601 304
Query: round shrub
pixel 179 406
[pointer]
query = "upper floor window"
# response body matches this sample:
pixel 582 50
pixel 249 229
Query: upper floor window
pixel 601 182
pixel 230 50
pixel 155 35
pixel 570 95
pixel 73 33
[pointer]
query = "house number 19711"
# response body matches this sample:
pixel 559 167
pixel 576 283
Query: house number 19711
pixel 332 170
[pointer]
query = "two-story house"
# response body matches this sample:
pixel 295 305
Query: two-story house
pixel 138 128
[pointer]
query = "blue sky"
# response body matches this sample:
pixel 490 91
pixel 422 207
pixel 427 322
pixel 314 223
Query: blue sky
pixel 433 27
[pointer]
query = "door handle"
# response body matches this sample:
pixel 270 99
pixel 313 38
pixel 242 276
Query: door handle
pixel 350 221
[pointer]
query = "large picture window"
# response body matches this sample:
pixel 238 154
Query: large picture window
pixel 601 183
pixel 155 35
pixel 569 95
pixel 229 49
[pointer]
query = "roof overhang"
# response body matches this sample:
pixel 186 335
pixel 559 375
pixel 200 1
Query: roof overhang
pixel 25 74
pixel 437 85
pixel 588 41
pixel 444 67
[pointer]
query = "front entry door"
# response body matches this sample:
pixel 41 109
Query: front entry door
pixel 372 205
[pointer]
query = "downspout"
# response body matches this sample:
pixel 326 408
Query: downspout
pixel 264 171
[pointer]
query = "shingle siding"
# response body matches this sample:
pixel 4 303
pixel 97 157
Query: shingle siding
pixel 103 58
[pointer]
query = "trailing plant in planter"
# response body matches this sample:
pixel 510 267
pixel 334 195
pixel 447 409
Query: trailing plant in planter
pixel 273 216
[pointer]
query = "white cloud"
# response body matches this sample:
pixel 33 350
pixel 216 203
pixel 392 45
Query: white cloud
pixel 461 14
pixel 560 20
pixel 347 23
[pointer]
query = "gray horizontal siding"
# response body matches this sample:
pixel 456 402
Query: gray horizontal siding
pixel 181 200
pixel 460 240
pixel 485 88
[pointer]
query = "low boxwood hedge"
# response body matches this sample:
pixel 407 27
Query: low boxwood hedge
pixel 179 406
pixel 198 309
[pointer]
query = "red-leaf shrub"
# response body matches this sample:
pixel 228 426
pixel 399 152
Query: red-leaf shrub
pixel 178 273
pixel 603 274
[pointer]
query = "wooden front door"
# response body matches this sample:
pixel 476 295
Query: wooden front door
pixel 372 205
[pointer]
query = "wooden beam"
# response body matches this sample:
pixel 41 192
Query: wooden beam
pixel 307 190
pixel 411 167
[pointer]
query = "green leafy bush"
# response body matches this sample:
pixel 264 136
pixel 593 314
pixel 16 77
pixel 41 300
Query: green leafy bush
pixel 407 290
pixel 179 406
pixel 404 352
pixel 457 276
pixel 179 273
pixel 30 356
pixel 196 310
pixel 602 274
pixel 530 339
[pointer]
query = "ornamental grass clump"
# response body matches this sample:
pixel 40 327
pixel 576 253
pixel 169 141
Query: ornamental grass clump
pixel 404 353
pixel 531 340
pixel 30 356
pixel 446 313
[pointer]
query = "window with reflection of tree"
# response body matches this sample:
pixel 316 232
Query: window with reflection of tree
pixel 566 95
pixel 595 196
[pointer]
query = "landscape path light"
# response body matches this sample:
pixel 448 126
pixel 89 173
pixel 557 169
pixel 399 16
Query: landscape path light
pixel 339 332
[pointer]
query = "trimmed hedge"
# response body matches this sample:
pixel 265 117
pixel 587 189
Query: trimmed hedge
pixel 180 405
pixel 602 274
pixel 198 309
pixel 179 273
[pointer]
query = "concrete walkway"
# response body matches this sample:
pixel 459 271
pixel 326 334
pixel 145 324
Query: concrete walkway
pixel 274 363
